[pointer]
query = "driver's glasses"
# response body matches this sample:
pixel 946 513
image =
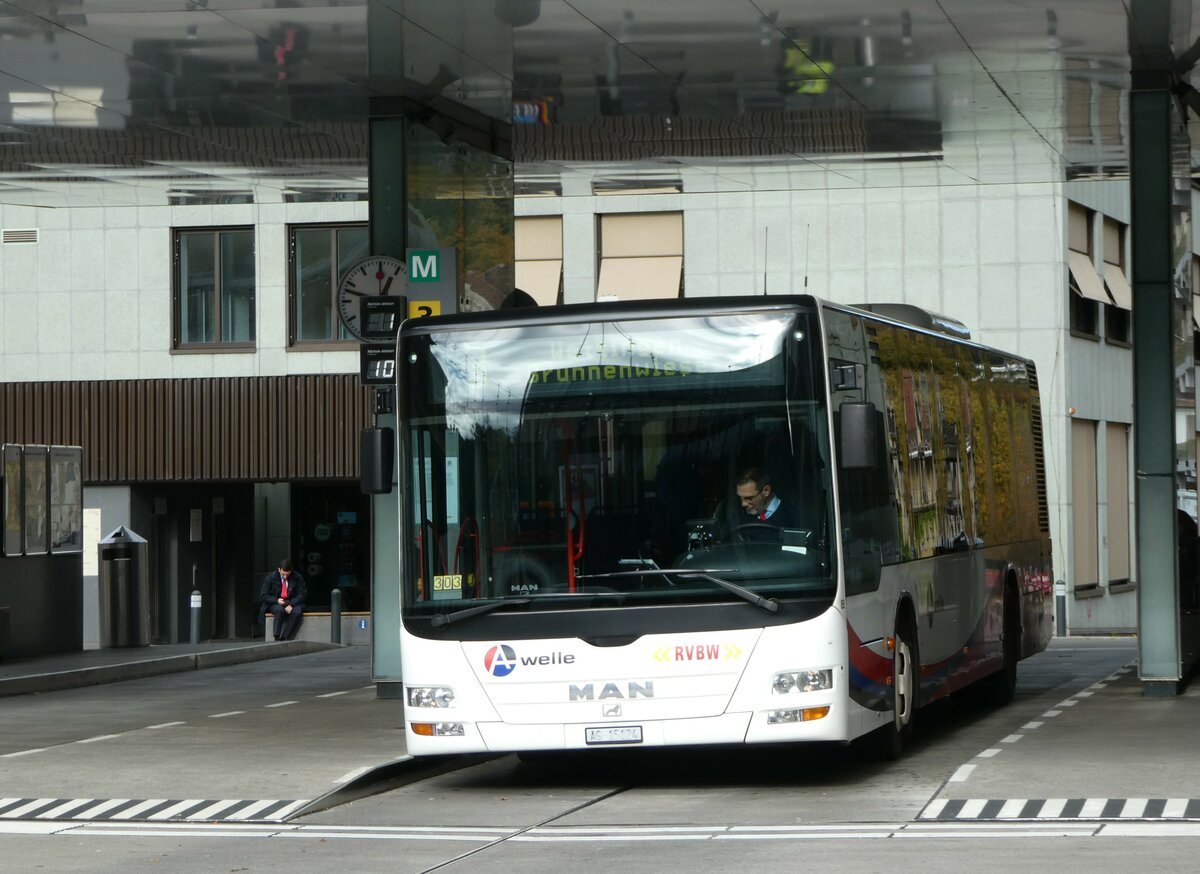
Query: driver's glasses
pixel 751 499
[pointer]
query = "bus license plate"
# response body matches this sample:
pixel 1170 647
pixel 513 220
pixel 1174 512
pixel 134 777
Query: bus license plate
pixel 614 734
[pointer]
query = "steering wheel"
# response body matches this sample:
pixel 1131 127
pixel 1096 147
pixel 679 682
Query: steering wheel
pixel 729 535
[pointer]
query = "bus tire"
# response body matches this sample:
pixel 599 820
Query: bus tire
pixel 1002 685
pixel 891 739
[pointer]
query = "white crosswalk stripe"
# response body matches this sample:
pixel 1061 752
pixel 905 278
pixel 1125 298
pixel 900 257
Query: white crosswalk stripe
pixel 160 810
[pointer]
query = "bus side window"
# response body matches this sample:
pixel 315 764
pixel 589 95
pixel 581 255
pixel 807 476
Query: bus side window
pixel 869 523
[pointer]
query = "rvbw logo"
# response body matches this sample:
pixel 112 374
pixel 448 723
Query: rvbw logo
pixel 500 660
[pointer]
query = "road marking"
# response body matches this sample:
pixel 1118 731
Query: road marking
pixel 1011 808
pixel 1030 726
pixel 972 808
pixel 28 807
pixel 1052 713
pixel 141 807
pixel 1092 808
pixel 213 809
pixel 102 807
pixel 148 810
pixel 617 834
pixel 169 812
pixel 223 715
pixel 1011 739
pixel 59 810
pixel 283 704
pixel 284 812
pixel 988 753
pixel 1175 808
pixel 23 753
pixel 335 694
pixel 165 725
pixel 248 812
pixel 1134 808
pixel 1052 808
pixel 963 772
pixel 1063 809
pixel 92 740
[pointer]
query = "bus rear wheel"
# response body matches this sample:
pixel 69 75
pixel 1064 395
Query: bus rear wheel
pixel 891 739
pixel 1002 685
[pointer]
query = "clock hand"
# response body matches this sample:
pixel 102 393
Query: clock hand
pixel 387 285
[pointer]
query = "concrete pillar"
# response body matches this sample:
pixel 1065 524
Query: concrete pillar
pixel 1160 203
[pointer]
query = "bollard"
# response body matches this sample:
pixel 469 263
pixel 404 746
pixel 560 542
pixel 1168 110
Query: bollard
pixel 1060 605
pixel 196 602
pixel 335 616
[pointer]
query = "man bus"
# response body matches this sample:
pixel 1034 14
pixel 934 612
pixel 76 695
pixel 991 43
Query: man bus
pixel 578 568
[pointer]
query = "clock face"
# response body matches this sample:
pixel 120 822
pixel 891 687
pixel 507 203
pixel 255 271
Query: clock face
pixel 377 276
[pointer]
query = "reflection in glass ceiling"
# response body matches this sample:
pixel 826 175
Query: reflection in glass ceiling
pixel 130 102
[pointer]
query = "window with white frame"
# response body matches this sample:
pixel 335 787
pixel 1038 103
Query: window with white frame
pixel 538 246
pixel 214 288
pixel 317 257
pixel 641 255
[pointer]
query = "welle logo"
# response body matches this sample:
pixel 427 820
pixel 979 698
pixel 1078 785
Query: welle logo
pixel 501 660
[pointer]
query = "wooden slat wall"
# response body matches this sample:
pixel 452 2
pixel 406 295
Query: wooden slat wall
pixel 237 428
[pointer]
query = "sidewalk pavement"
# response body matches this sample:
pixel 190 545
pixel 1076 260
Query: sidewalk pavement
pixel 96 666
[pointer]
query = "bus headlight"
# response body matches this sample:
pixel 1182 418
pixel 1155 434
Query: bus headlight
pixel 802 681
pixel 430 696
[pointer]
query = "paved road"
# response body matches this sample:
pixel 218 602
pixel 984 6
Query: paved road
pixel 1067 737
pixel 284 729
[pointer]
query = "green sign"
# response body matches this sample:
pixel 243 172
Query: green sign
pixel 424 265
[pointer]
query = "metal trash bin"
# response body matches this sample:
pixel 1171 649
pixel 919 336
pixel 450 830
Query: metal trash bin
pixel 124 589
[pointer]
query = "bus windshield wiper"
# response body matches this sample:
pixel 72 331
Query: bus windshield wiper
pixel 441 620
pixel 768 604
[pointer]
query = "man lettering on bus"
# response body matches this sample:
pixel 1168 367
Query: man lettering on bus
pixel 760 503
pixel 283 593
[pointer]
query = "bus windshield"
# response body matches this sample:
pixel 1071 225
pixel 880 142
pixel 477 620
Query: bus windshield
pixel 615 463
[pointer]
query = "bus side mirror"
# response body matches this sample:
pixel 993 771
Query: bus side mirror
pixel 376 457
pixel 856 448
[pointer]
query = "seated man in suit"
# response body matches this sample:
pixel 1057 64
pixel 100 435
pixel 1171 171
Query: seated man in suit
pixel 763 505
pixel 282 595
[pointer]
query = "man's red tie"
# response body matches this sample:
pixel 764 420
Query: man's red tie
pixel 762 517
pixel 283 589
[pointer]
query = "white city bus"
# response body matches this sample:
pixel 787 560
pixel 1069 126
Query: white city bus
pixel 577 570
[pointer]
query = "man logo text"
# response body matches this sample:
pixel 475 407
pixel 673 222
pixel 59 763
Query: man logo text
pixel 612 690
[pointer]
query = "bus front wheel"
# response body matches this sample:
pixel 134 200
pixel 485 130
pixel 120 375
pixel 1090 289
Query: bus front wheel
pixel 892 738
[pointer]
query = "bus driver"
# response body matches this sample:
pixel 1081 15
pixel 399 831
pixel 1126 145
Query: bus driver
pixel 760 502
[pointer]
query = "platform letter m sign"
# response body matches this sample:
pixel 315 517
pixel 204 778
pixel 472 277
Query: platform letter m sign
pixel 424 266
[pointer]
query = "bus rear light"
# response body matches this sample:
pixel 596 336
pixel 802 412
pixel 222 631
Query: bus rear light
pixel 438 729
pixel 802 681
pixel 802 714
